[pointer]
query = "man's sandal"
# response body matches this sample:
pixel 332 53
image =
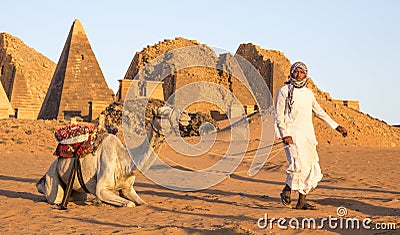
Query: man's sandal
pixel 306 206
pixel 285 199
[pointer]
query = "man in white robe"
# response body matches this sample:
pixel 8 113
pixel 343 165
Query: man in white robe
pixel 294 107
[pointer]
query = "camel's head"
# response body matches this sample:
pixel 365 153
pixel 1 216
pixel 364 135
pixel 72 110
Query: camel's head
pixel 167 120
pixel 41 184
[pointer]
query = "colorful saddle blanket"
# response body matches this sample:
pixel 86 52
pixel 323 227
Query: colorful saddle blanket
pixel 79 139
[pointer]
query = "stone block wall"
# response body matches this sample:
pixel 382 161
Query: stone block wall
pixel 193 79
pixel 124 86
pixel 150 89
pixel 354 104
pixel 95 108
pixel 154 90
pixel 4 113
pixel 27 113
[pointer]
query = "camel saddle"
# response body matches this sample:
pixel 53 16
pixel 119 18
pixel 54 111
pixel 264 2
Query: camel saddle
pixel 80 140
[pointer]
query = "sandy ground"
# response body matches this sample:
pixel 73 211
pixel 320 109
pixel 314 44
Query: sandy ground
pixel 366 181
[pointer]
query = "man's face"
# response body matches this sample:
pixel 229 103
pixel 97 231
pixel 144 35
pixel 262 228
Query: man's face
pixel 298 74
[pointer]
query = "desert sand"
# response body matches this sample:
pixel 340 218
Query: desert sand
pixel 364 180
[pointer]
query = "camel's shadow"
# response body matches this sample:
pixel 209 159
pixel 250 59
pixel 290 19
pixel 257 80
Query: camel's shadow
pixel 19 179
pixel 23 195
pixel 19 194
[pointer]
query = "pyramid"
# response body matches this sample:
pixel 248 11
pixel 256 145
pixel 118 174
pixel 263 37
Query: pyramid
pixel 220 70
pixel 25 75
pixel 5 106
pixel 77 80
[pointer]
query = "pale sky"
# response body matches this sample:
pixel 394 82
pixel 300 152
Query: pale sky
pixel 352 48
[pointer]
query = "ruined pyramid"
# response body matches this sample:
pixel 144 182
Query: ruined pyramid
pixel 25 75
pixel 77 81
pixel 190 63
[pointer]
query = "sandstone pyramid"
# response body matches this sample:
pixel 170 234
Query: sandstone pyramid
pixel 5 106
pixel 77 80
pixel 25 75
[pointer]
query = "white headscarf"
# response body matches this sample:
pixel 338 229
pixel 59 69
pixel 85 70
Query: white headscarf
pixel 295 83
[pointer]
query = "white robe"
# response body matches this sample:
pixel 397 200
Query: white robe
pixel 303 172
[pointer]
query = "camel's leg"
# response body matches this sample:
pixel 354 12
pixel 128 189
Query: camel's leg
pixel 111 197
pixel 52 188
pixel 132 195
pixel 107 193
pixel 108 176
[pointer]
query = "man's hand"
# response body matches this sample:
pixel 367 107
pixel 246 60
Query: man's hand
pixel 287 140
pixel 342 130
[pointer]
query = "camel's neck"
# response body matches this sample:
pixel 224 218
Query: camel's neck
pixel 153 138
pixel 146 153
